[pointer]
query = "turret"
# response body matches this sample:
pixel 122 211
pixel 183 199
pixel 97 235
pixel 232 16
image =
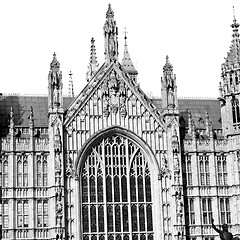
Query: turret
pixel 229 87
pixel 55 98
pixel 127 62
pixel 169 90
pixel 111 37
pixel 93 64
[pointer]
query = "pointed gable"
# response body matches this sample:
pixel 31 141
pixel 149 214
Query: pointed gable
pixel 114 98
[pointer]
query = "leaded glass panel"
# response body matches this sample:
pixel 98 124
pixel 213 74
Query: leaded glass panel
pixel 116 192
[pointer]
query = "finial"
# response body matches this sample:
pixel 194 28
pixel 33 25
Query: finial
pixel 235 25
pixel 31 113
pixel 168 66
pixel 206 114
pixel 55 65
pixel 11 113
pixel 167 59
pixel 125 36
pixel 11 117
pixel 125 33
pixel 70 86
pixel 93 65
pixel 31 121
pixel 234 19
pixel 110 13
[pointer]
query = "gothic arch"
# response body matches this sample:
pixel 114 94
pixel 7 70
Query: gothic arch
pixel 154 166
pixel 139 204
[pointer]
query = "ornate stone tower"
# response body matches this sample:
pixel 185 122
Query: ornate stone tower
pixel 169 90
pixel 111 37
pixel 56 168
pixel 55 99
pixel 93 64
pixel 229 86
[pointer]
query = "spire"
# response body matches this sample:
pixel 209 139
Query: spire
pixel 111 37
pixel 127 62
pixel 233 56
pixel 169 89
pixel 55 99
pixel 70 86
pixel 93 65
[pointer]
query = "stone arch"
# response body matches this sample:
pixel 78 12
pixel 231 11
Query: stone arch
pixel 151 205
pixel 154 165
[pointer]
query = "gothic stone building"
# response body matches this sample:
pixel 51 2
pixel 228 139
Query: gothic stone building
pixel 114 164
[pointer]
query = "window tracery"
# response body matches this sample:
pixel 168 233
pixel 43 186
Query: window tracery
pixel 4 172
pixel 222 170
pixel 116 192
pixel 225 212
pixel 235 111
pixel 204 170
pixel 42 171
pixel 22 171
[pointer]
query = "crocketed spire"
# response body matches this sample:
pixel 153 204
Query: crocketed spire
pixel 111 37
pixel 93 64
pixel 127 62
pixel 233 56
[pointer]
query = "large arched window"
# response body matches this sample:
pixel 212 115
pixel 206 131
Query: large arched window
pixel 235 111
pixel 116 192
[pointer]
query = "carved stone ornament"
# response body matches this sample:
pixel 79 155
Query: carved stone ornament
pixel 179 206
pixel 57 162
pixel 56 119
pixel 114 95
pixel 57 141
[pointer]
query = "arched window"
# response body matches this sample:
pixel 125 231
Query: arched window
pixel 204 170
pixel 235 111
pixel 42 170
pixel 189 170
pixel 5 172
pixel 22 171
pixel 116 192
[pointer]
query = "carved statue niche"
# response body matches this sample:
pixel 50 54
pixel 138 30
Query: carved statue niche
pixel 110 33
pixel 179 206
pixel 57 141
pixel 57 162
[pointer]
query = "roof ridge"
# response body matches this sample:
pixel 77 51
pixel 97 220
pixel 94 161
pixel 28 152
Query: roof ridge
pixel 24 94
pixel 197 98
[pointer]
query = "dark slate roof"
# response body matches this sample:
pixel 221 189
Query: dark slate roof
pixel 21 107
pixel 198 109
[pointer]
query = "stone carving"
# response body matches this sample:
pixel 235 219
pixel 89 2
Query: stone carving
pixel 110 34
pixel 57 141
pixel 114 95
pixel 179 206
pixel 164 171
pixel 57 162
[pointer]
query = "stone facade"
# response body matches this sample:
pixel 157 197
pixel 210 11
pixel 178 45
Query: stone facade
pixel 114 164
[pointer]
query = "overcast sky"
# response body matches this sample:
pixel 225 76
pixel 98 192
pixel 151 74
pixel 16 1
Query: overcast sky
pixel 196 34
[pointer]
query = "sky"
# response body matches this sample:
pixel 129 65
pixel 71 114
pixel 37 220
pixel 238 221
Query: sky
pixel 195 34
